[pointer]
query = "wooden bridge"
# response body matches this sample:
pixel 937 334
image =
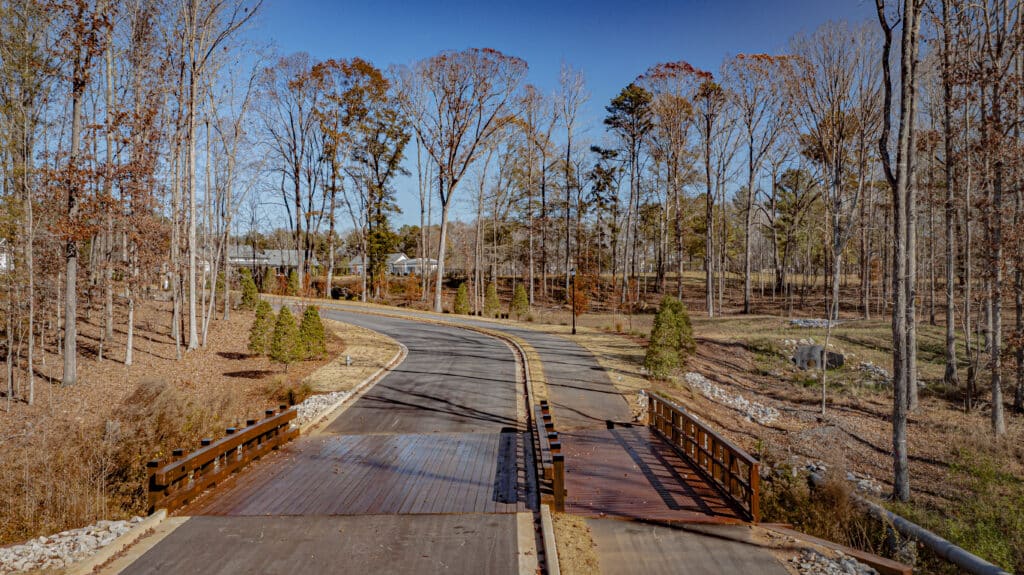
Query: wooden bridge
pixel 446 461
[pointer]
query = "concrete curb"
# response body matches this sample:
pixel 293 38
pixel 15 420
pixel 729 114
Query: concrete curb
pixel 356 392
pixel 106 553
pixel 547 528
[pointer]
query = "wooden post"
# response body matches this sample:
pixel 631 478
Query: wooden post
pixel 558 485
pixel 755 492
pixel 155 491
pixel 651 420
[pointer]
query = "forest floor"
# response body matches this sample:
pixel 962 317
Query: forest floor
pixel 965 485
pixel 77 454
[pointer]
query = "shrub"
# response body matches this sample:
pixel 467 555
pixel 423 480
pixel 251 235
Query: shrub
pixel 825 511
pixel 293 283
pixel 262 328
pixel 461 304
pixel 492 305
pixel 520 302
pixel 413 288
pixel 280 391
pixel 267 283
pixel 671 339
pixel 249 292
pixel 284 345
pixel 311 334
pixel 581 302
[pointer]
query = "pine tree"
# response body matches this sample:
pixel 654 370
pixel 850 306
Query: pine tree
pixel 685 342
pixel 671 339
pixel 293 283
pixel 249 293
pixel 284 345
pixel 492 305
pixel 461 304
pixel 259 334
pixel 311 334
pixel 520 302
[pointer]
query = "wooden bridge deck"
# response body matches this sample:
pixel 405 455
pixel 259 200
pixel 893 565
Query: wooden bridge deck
pixel 382 474
pixel 629 472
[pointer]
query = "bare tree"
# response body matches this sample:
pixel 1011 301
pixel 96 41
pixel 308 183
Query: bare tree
pixel 458 101
pixel 900 182
pixel 755 86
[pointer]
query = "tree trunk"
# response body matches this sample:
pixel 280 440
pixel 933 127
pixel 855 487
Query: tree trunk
pixel 996 262
pixel 951 376
pixel 441 252
pixel 748 223
pixel 70 376
pixel 709 204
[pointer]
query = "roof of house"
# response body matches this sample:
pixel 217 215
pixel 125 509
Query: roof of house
pixel 392 259
pixel 285 258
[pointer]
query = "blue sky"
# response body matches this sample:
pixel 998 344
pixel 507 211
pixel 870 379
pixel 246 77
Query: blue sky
pixel 611 42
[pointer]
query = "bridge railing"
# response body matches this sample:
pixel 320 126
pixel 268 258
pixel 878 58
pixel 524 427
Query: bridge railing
pixel 176 481
pixel 735 473
pixel 551 458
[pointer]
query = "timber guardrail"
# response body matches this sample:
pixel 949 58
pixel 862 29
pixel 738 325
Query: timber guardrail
pixel 176 481
pixel 551 458
pixel 735 473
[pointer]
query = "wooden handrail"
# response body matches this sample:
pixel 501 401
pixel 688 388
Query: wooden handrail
pixel 174 482
pixel 734 472
pixel 552 462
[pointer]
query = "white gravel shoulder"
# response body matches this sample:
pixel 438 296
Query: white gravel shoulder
pixel 62 549
pixel 753 411
pixel 315 405
pixel 811 562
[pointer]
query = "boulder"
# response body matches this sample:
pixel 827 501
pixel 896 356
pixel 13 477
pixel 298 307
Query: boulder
pixel 810 357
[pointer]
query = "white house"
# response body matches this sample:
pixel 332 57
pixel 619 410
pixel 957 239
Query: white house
pixel 395 264
pixel 416 266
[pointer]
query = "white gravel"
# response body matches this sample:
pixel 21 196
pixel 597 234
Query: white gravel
pixel 809 323
pixel 811 562
pixel 62 549
pixel 860 482
pixel 315 405
pixel 753 411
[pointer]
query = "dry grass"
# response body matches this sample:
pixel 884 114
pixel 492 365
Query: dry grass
pixel 367 349
pixel 577 554
pixel 953 454
pixel 78 454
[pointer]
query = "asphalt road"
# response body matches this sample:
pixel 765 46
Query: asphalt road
pixel 579 389
pixel 453 380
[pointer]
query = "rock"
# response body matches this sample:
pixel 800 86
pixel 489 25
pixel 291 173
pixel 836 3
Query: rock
pixel 61 549
pixel 753 411
pixel 812 562
pixel 810 357
pixel 811 323
pixel 315 405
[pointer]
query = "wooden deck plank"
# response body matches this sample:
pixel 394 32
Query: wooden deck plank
pixel 453 496
pixel 372 474
pixel 630 473
pixel 431 481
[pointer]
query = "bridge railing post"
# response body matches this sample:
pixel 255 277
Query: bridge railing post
pixel 558 484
